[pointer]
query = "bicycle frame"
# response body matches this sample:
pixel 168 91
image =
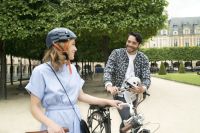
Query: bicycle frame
pixel 135 122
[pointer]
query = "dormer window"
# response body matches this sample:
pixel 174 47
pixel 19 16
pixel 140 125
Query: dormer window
pixel 186 31
pixel 175 32
pixel 175 26
pixel 164 32
pixel 197 30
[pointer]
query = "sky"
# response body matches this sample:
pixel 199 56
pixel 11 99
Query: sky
pixel 183 8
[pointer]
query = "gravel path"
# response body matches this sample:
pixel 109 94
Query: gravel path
pixel 175 106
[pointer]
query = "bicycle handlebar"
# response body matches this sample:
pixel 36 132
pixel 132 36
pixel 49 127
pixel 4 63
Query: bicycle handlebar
pixel 45 131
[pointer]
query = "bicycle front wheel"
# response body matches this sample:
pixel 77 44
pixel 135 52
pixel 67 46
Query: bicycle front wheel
pixel 98 123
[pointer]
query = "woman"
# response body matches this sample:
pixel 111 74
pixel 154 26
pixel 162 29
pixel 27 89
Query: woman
pixel 61 109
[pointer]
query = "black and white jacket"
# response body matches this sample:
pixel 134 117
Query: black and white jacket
pixel 117 65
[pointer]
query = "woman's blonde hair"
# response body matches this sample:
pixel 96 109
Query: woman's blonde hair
pixel 56 58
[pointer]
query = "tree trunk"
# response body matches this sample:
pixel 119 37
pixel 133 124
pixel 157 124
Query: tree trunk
pixel 105 47
pixel 172 64
pixel 85 67
pixel 20 79
pixel 29 67
pixel 76 65
pixel 82 68
pixel 11 70
pixel 3 90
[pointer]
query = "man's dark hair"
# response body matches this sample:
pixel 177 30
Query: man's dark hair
pixel 137 36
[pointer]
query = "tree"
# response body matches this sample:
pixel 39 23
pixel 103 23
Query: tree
pixel 104 23
pixel 101 23
pixel 24 20
pixel 181 68
pixel 162 70
pixel 110 21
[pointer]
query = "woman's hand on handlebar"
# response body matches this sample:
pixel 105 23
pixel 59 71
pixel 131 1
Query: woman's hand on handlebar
pixel 116 103
pixel 54 128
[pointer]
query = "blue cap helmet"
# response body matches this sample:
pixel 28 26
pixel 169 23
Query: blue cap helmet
pixel 59 34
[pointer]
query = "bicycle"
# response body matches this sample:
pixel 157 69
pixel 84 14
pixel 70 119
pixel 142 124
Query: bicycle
pixel 135 122
pixel 98 118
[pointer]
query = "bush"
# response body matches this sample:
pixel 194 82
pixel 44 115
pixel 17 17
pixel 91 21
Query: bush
pixel 181 68
pixel 162 70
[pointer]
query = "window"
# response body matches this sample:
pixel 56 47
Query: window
pixel 14 70
pixel 175 32
pixel 186 31
pixel 24 69
pixel 198 41
pixel 13 61
pixel 18 71
pixel 175 43
pixel 175 26
pixel 186 42
pixel 163 32
pixel 197 30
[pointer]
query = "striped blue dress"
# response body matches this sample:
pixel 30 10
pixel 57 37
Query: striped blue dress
pixel 44 84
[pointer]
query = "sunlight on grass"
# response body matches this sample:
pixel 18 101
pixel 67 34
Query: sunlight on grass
pixel 189 78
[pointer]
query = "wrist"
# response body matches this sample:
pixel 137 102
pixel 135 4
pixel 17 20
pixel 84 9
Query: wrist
pixel 107 84
pixel 108 87
pixel 144 88
pixel 50 123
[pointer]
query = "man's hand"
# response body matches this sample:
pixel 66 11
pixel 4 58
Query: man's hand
pixel 112 89
pixel 138 89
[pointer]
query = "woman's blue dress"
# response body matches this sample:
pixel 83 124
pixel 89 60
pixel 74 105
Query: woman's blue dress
pixel 44 84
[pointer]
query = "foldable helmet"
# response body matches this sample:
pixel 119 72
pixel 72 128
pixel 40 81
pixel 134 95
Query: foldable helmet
pixel 59 35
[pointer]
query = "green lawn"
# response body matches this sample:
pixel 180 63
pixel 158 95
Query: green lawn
pixel 188 78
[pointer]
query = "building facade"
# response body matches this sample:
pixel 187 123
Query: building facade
pixel 20 66
pixel 180 32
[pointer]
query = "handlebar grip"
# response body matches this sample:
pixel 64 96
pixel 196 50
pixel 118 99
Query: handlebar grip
pixel 126 128
pixel 45 131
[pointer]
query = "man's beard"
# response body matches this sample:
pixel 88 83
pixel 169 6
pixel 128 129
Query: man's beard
pixel 131 49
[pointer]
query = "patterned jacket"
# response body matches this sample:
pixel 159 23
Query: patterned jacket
pixel 117 65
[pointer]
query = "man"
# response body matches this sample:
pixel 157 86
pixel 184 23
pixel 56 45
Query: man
pixel 124 63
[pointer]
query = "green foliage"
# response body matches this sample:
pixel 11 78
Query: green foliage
pixel 162 70
pixel 173 53
pixel 24 25
pixel 181 68
pixel 115 18
pixel 26 48
pixel 20 19
pixel 96 20
pixel 101 25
